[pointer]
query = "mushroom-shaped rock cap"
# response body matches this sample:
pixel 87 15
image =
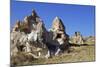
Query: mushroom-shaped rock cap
pixel 58 24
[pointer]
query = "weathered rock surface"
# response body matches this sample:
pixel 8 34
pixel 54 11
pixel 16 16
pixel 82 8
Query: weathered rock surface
pixel 77 38
pixel 31 37
pixel 26 36
pixel 58 30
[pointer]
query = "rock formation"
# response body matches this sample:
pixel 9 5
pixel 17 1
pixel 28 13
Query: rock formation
pixel 59 34
pixel 58 24
pixel 28 34
pixel 31 37
pixel 58 30
pixel 77 38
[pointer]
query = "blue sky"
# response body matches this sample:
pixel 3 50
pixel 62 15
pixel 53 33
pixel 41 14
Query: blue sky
pixel 75 17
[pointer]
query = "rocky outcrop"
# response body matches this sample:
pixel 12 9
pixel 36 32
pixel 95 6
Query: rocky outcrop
pixel 59 34
pixel 27 35
pixel 58 24
pixel 77 39
pixel 31 37
pixel 29 23
pixel 58 30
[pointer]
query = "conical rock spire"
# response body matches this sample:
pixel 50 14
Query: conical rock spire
pixel 58 24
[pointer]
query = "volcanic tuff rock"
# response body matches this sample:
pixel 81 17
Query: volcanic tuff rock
pixel 58 29
pixel 31 37
pixel 77 38
pixel 21 33
pixel 29 23
pixel 58 24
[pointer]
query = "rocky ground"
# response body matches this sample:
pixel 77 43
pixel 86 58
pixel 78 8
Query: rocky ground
pixel 77 54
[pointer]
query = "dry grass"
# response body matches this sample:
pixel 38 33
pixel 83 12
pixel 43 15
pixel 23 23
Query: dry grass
pixel 77 54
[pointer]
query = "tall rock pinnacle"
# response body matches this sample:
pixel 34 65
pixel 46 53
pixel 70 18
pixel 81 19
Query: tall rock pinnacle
pixel 58 29
pixel 58 24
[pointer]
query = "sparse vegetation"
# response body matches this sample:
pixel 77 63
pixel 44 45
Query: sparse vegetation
pixel 77 54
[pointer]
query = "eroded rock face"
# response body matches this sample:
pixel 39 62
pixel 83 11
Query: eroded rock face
pixel 28 24
pixel 58 24
pixel 27 36
pixel 77 38
pixel 31 37
pixel 59 34
pixel 58 30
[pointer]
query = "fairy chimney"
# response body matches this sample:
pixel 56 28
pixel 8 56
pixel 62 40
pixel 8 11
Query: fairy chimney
pixel 77 38
pixel 58 24
pixel 58 30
